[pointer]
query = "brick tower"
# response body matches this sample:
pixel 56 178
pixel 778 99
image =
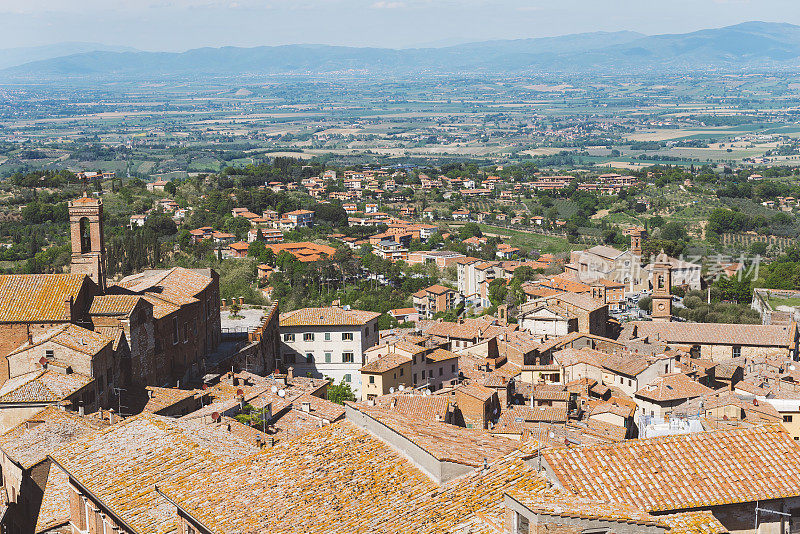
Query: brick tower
pixel 637 235
pixel 662 282
pixel 88 245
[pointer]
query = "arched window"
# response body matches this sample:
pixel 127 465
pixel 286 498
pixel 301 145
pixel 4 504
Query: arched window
pixel 86 236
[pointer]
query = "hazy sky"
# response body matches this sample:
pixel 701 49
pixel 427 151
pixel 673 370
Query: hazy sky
pixel 185 24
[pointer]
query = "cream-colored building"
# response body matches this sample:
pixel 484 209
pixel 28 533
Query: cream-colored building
pixel 717 341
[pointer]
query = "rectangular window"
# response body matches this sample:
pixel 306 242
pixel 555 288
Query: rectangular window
pixel 308 336
pixel 185 332
pixel 441 371
pixel 371 379
pixel 347 336
pixel 787 418
pixel 309 358
pixel 175 334
pixel 401 371
pixel 328 357
pixel 49 354
pixel 415 378
pixel 522 525
pixel 327 336
pixel 347 378
pixel 453 368
pixel 737 351
pixel 347 357
pixel 376 328
pixel 288 337
pixel 423 375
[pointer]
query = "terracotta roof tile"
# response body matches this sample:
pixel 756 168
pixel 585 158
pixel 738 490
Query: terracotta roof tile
pixel 38 297
pixel 30 442
pixel 42 386
pixel 684 471
pixel 393 360
pixel 672 387
pixel 710 333
pixel 431 408
pixel 332 316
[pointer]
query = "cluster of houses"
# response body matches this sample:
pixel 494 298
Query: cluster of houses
pixel 128 407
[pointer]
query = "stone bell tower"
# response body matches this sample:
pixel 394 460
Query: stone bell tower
pixel 88 244
pixel 637 235
pixel 662 293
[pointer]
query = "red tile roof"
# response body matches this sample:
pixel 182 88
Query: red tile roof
pixel 332 316
pixel 684 471
pixel 38 297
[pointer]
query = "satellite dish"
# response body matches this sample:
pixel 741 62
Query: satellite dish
pixel 43 361
pixel 239 393
pixel 282 393
pixel 391 390
pixel 427 392
pixel 552 435
pixel 215 416
pixel 274 389
pixel 205 386
pixel 791 367
pixel 401 387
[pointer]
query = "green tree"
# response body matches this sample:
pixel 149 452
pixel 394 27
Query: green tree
pixel 340 393
pixel 497 291
pixel 470 229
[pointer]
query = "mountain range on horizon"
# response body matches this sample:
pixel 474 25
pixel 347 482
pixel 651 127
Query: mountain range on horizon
pixel 748 46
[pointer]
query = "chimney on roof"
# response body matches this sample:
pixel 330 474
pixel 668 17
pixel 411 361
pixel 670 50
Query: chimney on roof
pixel 149 393
pixel 68 306
pixel 30 336
pixel 81 409
pixel 394 403
pixel 290 373
pixel 305 406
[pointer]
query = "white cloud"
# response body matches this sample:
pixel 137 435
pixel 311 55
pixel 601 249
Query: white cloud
pixel 385 4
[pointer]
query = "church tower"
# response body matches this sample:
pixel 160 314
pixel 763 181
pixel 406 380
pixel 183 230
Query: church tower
pixel 662 283
pixel 88 244
pixel 637 235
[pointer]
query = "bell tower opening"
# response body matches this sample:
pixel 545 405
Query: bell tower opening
pixel 86 238
pixel 88 246
pixel 662 289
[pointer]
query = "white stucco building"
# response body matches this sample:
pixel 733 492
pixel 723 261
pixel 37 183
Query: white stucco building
pixel 328 342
